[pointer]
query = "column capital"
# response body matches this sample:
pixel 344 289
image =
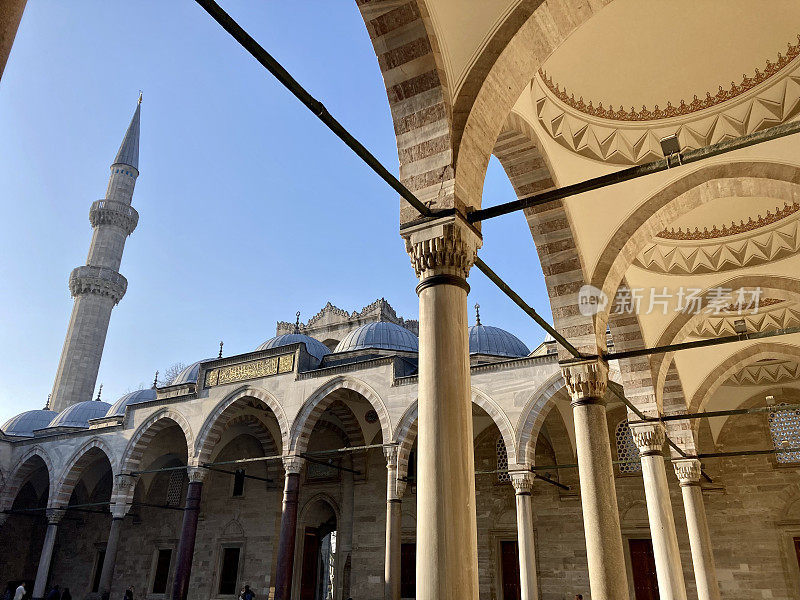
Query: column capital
pixel 196 474
pixel 445 246
pixel 54 515
pixel 119 509
pixel 586 381
pixel 649 437
pixel 292 463
pixel 123 484
pixel 391 453
pixel 688 471
pixel 522 482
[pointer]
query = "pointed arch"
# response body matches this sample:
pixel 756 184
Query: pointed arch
pixel 533 415
pixel 215 423
pixel 26 465
pixel 323 397
pixel 156 423
pixel 73 470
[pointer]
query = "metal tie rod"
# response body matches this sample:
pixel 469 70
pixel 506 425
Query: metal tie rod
pixel 720 413
pixel 316 107
pixel 690 156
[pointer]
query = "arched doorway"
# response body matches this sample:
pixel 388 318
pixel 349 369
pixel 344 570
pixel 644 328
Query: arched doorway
pixel 318 551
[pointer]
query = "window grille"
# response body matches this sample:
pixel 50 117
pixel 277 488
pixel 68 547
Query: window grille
pixel 784 426
pixel 502 461
pixel 626 449
pixel 175 488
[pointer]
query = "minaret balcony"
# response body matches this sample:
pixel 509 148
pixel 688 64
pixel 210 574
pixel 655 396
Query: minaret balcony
pixel 102 281
pixel 112 212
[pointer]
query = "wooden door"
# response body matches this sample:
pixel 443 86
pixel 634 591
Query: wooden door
pixel 509 570
pixel 643 564
pixel 309 576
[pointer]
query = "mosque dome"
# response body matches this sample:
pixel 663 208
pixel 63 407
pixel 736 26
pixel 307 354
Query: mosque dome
pixel 118 408
pixel 383 335
pixel 78 415
pixel 24 424
pixel 494 341
pixel 313 346
pixel 189 374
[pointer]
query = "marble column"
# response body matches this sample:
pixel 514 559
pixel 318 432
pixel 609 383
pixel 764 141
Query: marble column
pixel 650 438
pixel 586 382
pixel 292 465
pixel 705 573
pixel 391 572
pixel 185 554
pixel 523 484
pixel 43 570
pixel 442 251
pixel 118 512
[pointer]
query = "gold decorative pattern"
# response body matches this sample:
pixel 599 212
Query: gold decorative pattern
pixel 264 367
pixel 734 229
pixel 722 95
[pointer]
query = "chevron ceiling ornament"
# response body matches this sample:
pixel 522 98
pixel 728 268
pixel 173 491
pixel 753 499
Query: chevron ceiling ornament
pixel 714 255
pixel 780 315
pixel 606 136
pixel 767 373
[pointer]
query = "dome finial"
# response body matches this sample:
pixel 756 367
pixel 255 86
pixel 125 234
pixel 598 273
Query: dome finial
pixel 47 404
pixel 221 343
pixel 140 97
pixel 99 391
pixel 477 314
pixel 297 323
pixel 155 381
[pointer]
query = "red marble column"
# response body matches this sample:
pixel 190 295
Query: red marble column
pixel 183 561
pixel 286 543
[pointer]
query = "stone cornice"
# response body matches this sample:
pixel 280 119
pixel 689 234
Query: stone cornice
pixel 709 101
pixel 90 279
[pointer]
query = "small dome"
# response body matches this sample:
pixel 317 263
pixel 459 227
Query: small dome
pixel 78 415
pixel 386 336
pixel 189 374
pixel 24 424
pixel 118 408
pixel 313 346
pixel 495 342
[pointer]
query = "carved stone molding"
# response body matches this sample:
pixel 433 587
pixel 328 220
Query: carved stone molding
pixel 586 380
pixel 124 485
pixel 444 246
pixel 768 373
pixel 293 463
pixel 734 229
pixel 610 137
pixel 688 471
pixel 682 257
pixel 767 319
pixel 112 212
pixel 119 509
pixel 54 516
pixel 391 453
pixel 648 437
pixel 522 482
pixel 197 474
pixel 102 281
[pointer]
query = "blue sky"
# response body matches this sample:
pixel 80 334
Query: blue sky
pixel 249 208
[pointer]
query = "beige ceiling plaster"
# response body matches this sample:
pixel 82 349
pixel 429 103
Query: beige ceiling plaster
pixel 732 396
pixel 463 28
pixel 636 52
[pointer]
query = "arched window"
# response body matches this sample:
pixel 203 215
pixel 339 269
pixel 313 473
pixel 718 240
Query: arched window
pixel 784 426
pixel 626 449
pixel 502 461
pixel 175 488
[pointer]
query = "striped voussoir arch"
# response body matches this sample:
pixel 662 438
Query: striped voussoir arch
pixel 321 399
pixel 407 430
pixel 533 416
pixel 258 429
pixel 216 421
pixel 26 465
pixel 91 451
pixel 159 421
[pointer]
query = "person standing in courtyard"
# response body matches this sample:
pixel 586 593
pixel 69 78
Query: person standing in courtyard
pixel 20 593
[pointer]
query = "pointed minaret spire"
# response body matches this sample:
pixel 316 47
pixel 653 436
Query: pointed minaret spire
pixel 477 314
pixel 98 286
pixel 128 153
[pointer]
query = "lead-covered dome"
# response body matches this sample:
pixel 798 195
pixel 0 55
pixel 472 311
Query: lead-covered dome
pixel 24 424
pixel 484 339
pixel 313 346
pixel 78 415
pixel 383 335
pixel 118 408
pixel 189 374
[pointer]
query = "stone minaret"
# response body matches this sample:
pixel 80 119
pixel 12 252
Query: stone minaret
pixel 97 287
